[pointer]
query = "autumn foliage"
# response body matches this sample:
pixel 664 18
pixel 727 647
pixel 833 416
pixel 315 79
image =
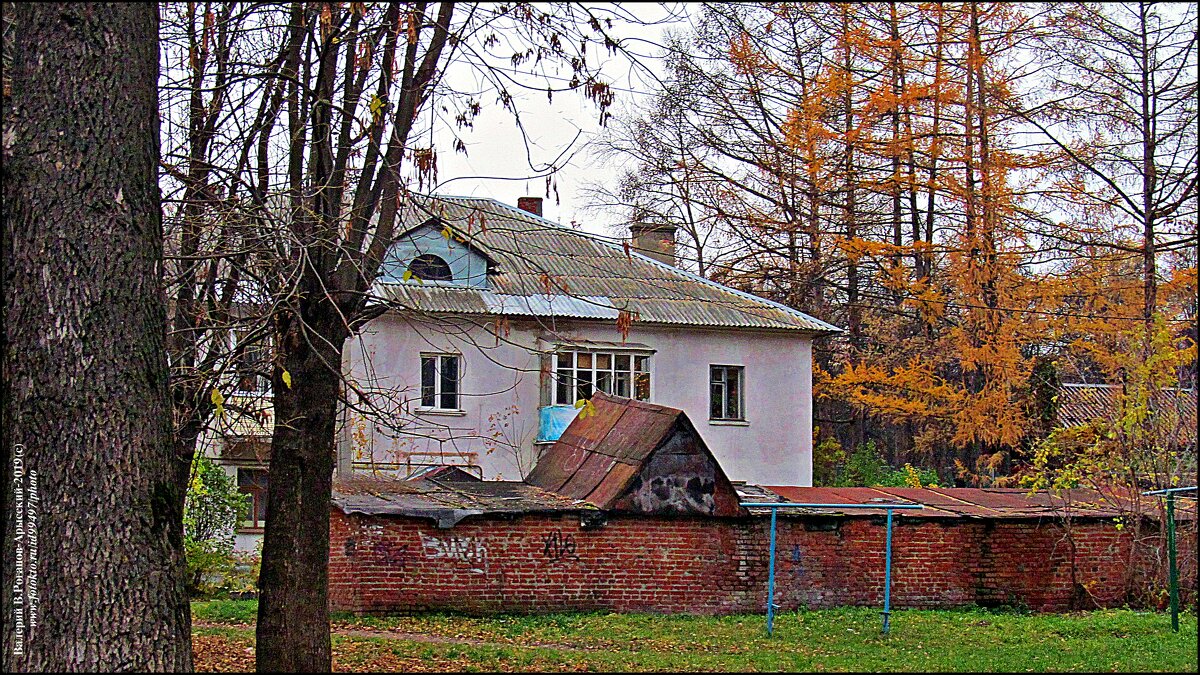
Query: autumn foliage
pixel 989 197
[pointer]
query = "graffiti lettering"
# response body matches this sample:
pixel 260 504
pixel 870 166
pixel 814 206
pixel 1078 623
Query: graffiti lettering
pixel 384 552
pixel 465 549
pixel 556 546
pixel 391 555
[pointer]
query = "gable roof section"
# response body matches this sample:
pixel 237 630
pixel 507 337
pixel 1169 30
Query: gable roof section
pixel 638 457
pixel 544 266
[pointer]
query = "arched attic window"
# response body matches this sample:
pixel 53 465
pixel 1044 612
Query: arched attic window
pixel 429 267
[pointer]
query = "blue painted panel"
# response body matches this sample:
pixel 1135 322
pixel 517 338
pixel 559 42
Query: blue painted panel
pixel 467 267
pixel 553 420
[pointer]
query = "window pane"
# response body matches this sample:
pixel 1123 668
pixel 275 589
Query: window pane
pixel 718 374
pixel 604 362
pixel 621 385
pixel 249 510
pixel 428 378
pixel 716 398
pixel 253 482
pixel 583 360
pixel 641 386
pixel 430 267
pixel 640 363
pixel 604 381
pixel 733 394
pixel 565 359
pixel 260 507
pixel 562 388
pixel 583 384
pixel 622 362
pixel 450 382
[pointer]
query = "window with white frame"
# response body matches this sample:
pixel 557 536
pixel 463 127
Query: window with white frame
pixel 440 375
pixel 578 374
pixel 725 387
pixel 253 483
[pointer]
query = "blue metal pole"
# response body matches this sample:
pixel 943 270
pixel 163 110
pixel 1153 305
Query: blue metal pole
pixel 775 506
pixel 887 577
pixel 771 579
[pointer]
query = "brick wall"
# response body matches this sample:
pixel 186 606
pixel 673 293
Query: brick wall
pixel 542 563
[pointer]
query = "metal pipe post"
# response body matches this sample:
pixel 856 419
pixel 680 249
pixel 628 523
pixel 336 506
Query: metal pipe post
pixel 887 577
pixel 1171 555
pixel 775 506
pixel 1173 563
pixel 771 579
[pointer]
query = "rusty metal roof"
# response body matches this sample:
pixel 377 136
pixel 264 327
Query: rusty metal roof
pixel 996 503
pixel 545 269
pixel 606 458
pixel 446 501
pixel 1080 404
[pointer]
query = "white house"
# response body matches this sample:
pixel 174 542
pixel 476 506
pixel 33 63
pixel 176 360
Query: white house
pixel 503 323
pixel 510 321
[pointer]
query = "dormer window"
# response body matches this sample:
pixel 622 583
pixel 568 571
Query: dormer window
pixel 437 253
pixel 429 267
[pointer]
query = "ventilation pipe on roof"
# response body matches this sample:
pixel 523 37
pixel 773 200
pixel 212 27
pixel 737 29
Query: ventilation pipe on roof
pixel 656 240
pixel 531 204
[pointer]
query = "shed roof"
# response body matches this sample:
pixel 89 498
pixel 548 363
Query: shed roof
pixel 629 454
pixel 545 269
pixel 988 503
pixel 447 500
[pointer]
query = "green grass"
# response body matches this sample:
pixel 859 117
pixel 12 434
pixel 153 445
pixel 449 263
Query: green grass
pixel 225 611
pixel 836 639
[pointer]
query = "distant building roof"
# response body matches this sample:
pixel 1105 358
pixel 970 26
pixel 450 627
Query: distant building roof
pixel 544 269
pixel 1080 404
pixel 636 457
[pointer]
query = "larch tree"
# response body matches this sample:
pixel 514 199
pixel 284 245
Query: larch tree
pixel 93 559
pixel 878 165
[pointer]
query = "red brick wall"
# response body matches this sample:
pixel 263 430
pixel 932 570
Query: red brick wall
pixel 541 563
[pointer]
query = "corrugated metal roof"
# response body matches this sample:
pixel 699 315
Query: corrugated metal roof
pixel 446 501
pixel 246 416
pixel 607 458
pixel 1080 404
pixel 583 275
pixel 449 500
pixel 969 502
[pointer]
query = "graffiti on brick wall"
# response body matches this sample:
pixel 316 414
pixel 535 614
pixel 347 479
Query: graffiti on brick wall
pixel 557 547
pixel 469 550
pixel 389 554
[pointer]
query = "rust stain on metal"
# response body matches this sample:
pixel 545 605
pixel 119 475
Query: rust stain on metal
pixel 974 502
pixel 637 457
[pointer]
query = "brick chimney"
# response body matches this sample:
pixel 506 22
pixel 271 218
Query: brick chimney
pixel 530 204
pixel 656 240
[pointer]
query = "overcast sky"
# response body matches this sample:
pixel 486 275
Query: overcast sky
pixel 496 165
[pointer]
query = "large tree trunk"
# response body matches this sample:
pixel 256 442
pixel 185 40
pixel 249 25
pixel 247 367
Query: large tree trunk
pixel 94 576
pixel 293 614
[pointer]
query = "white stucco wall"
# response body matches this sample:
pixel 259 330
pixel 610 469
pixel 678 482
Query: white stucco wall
pixel 500 385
